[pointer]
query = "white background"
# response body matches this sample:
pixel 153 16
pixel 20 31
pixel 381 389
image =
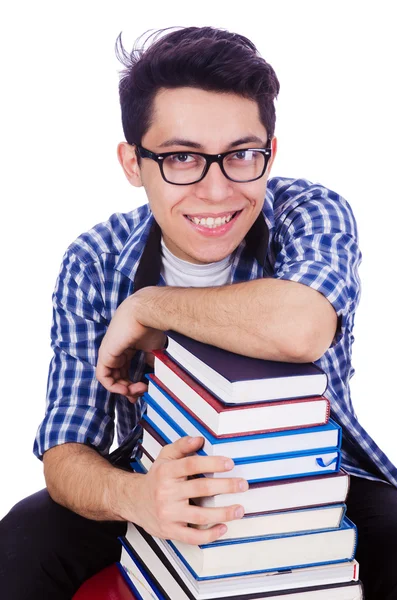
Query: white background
pixel 60 125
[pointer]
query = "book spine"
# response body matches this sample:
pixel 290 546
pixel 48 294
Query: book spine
pixel 135 594
pixel 137 576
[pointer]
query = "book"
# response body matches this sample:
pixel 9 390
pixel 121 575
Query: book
pixel 319 517
pixel 235 378
pixel 270 496
pixel 258 468
pixel 350 591
pixel 329 516
pixel 258 554
pixel 153 561
pixel 221 420
pixel 170 415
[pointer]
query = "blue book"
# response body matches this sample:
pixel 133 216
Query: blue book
pixel 157 572
pixel 262 468
pixel 255 555
pixel 171 417
pixel 234 378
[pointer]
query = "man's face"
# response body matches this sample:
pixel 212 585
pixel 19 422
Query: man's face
pixel 215 121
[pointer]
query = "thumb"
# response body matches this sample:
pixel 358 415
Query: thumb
pixel 181 448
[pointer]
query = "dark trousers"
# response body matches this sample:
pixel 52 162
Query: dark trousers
pixel 46 551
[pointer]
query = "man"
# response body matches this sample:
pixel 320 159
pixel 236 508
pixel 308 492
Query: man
pixel 263 267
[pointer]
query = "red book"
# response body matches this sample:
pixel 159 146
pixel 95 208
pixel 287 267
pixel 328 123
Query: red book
pixel 237 419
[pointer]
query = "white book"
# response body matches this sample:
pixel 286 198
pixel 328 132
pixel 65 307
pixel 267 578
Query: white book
pixel 163 564
pixel 329 516
pixel 240 556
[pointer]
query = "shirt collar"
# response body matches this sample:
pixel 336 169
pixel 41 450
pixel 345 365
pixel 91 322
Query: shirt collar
pixel 140 259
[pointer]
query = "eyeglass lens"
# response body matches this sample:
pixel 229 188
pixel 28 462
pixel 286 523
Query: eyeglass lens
pixel 188 168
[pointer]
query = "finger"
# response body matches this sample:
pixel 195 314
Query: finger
pixel 114 386
pixel 113 361
pixel 110 383
pixel 109 377
pixel 135 391
pixel 180 448
pixel 137 388
pixel 197 515
pixel 190 535
pixel 208 486
pixel 196 465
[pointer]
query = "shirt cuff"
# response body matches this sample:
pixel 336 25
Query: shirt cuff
pixel 79 424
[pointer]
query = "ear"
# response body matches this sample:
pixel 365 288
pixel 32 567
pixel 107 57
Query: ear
pixel 128 160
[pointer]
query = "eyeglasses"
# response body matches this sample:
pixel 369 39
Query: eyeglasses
pixel 185 168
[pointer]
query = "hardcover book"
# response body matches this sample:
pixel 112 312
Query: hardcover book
pixel 232 420
pixel 329 516
pixel 174 419
pixel 259 468
pixel 155 564
pixel 254 555
pixel 269 496
pixel 234 378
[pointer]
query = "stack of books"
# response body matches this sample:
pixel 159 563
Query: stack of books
pixel 294 541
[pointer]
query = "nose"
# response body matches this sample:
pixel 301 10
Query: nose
pixel 215 187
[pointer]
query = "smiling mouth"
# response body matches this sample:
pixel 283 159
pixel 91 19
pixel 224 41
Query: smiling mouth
pixel 212 222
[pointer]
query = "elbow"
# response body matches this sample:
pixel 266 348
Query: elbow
pixel 314 333
pixel 50 471
pixel 309 347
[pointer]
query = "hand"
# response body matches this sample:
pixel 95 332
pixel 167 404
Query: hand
pixel 124 336
pixel 163 508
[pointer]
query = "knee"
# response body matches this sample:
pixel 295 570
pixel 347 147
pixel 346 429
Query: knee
pixel 25 544
pixel 26 528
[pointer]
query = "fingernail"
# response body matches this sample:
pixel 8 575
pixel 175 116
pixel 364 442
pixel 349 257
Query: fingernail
pixel 243 485
pixel 192 440
pixel 239 512
pixel 229 464
pixel 222 529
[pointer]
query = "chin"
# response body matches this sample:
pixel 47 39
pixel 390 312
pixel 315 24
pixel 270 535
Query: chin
pixel 211 256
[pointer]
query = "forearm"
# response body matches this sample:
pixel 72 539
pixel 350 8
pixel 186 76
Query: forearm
pixel 80 479
pixel 266 318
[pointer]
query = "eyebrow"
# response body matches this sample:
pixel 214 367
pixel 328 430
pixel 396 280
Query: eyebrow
pixel 190 144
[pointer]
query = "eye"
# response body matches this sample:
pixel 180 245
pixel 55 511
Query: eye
pixel 182 158
pixel 244 155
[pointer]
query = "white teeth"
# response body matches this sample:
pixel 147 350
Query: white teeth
pixel 210 222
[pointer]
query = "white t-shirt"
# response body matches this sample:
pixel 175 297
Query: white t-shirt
pixel 180 273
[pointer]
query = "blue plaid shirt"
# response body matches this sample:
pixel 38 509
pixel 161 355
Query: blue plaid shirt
pixel 306 233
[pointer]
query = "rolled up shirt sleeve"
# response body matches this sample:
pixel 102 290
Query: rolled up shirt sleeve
pixel 78 407
pixel 316 244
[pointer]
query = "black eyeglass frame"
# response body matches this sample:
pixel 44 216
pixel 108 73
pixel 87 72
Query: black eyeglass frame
pixel 209 158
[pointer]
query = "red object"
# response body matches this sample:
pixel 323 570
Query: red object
pixel 108 584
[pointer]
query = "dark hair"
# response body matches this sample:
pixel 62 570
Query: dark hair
pixel 202 57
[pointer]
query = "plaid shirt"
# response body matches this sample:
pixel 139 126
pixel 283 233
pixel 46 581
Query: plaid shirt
pixel 306 233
